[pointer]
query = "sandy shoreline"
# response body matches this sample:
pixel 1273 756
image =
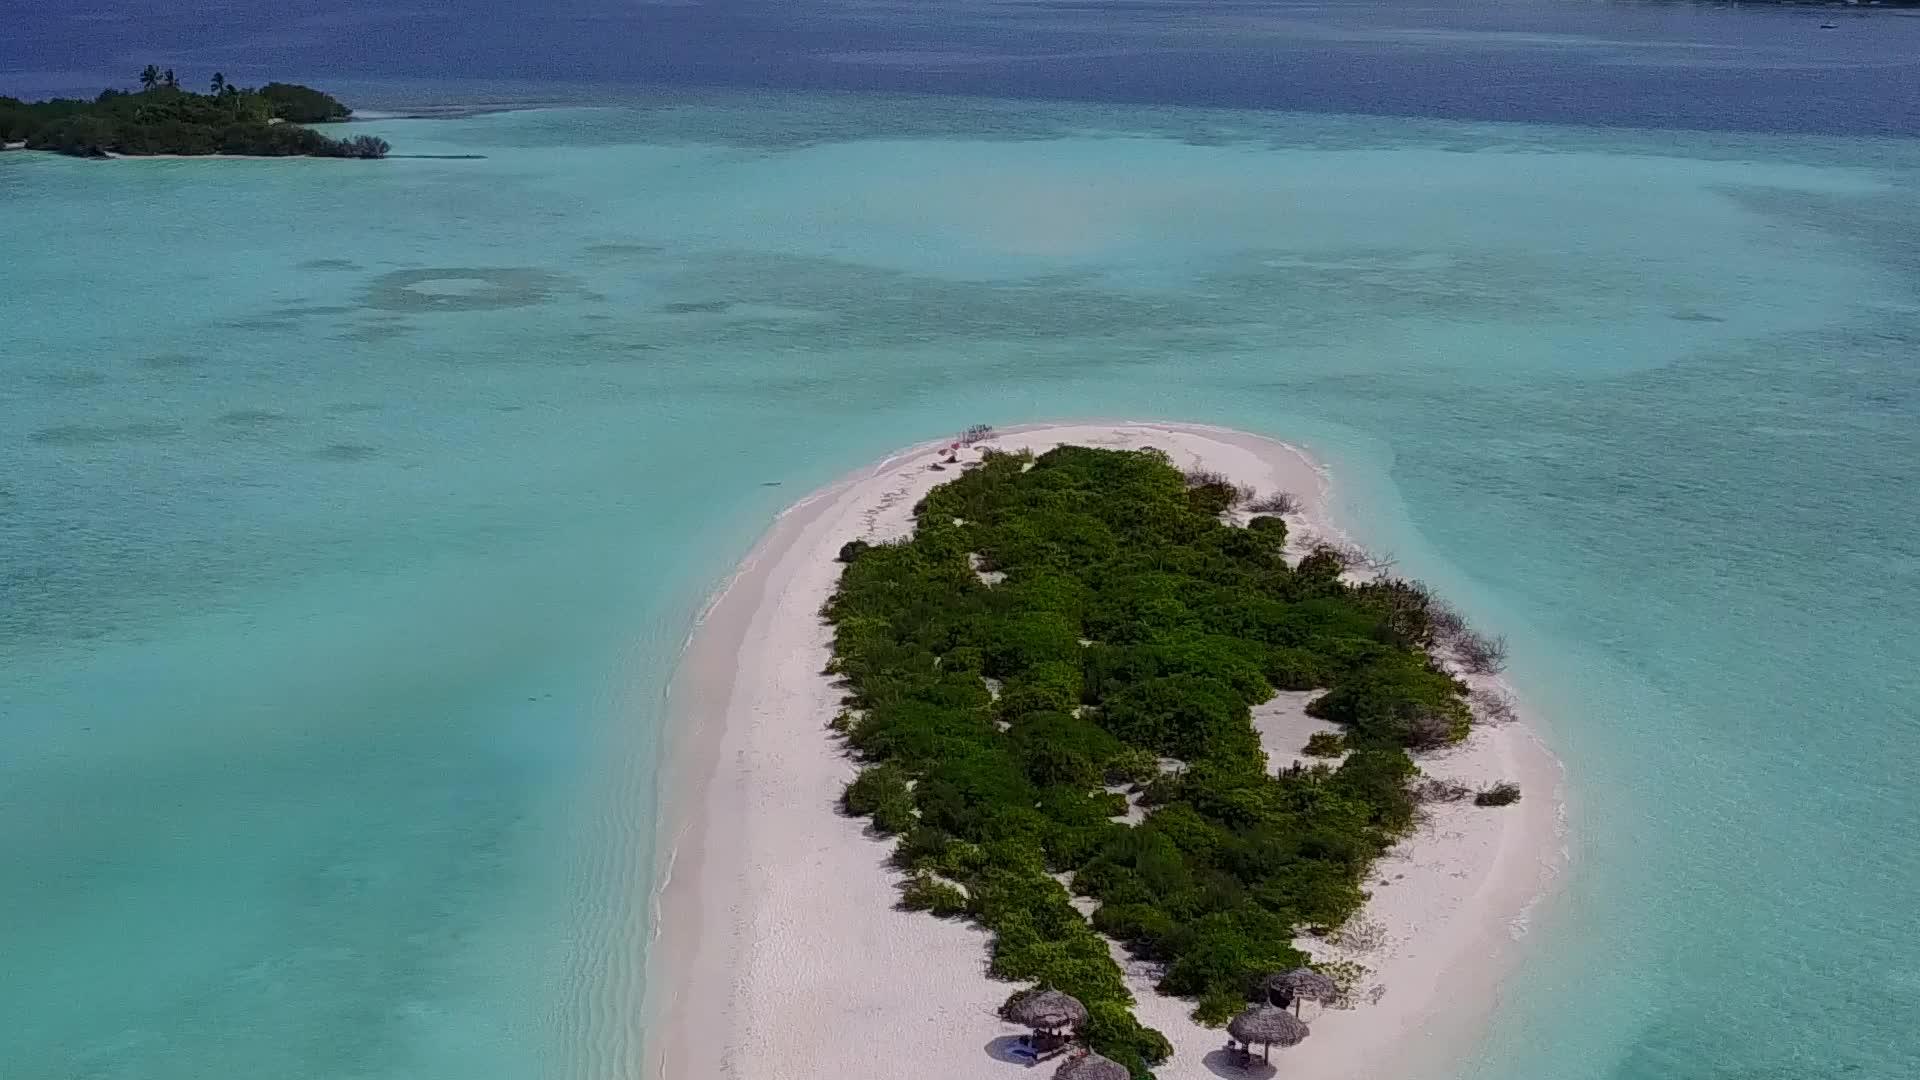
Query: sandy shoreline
pixel 777 951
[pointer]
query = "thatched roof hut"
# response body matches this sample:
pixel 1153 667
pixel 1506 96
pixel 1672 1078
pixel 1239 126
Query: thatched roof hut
pixel 1046 1010
pixel 1301 983
pixel 1268 1025
pixel 1091 1066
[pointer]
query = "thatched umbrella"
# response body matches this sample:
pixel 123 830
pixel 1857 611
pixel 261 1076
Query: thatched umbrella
pixel 1091 1066
pixel 1047 1010
pixel 1301 983
pixel 1268 1025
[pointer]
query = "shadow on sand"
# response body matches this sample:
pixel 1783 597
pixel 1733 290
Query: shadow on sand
pixel 1010 1049
pixel 1225 1062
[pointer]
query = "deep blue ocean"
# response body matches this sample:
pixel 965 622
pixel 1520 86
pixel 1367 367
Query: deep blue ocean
pixel 352 515
pixel 1648 64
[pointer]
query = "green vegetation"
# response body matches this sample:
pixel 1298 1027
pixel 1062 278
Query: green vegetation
pixel 302 105
pixel 924 892
pixel 1326 744
pixel 162 118
pixel 1131 625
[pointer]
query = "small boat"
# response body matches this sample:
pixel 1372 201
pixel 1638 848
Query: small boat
pixel 1829 26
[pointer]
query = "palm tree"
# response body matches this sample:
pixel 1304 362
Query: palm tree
pixel 149 77
pixel 219 84
pixel 172 83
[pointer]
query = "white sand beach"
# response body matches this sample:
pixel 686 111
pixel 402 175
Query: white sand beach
pixel 778 952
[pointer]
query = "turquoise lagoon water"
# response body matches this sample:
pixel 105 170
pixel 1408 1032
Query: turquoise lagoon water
pixel 352 516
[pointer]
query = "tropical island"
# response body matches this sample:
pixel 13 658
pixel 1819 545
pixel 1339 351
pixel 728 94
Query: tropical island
pixel 162 117
pixel 1069 636
pixel 1134 745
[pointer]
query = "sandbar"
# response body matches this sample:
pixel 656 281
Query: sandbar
pixel 777 951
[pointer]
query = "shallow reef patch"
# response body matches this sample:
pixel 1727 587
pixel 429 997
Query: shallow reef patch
pixel 346 452
pixel 168 361
pixel 458 288
pixel 73 435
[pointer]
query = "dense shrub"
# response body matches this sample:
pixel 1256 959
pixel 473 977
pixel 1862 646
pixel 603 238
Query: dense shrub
pixel 302 104
pixel 1182 716
pixel 1111 1030
pixel 1406 608
pixel 1319 572
pixel 1132 624
pixel 1147 928
pixel 1504 793
pixel 78 136
pixel 1230 951
pixel 1212 499
pixel 1057 748
pixel 1271 530
pixel 1238 663
pixel 881 793
pixel 921 848
pixel 924 892
pixel 1132 765
pixel 1298 669
pixel 1377 779
pixel 1326 744
pixel 1219 1004
pixel 165 119
pixel 366 147
pixel 1052 686
pixel 1206 487
pixel 1399 700
pixel 1027 639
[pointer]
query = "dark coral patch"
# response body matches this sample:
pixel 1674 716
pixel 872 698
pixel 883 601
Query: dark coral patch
pixel 346 452
pixel 75 435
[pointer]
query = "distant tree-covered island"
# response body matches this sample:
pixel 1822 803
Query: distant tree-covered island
pixel 162 117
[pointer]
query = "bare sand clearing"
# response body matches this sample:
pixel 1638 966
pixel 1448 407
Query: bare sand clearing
pixel 778 952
